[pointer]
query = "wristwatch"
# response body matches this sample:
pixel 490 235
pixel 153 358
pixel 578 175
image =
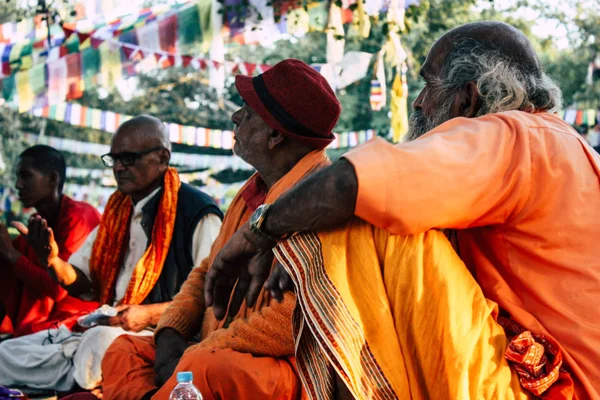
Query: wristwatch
pixel 256 222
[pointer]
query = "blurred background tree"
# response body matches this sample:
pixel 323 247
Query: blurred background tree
pixel 183 96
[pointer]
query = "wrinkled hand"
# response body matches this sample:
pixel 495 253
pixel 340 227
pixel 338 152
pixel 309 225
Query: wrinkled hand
pixel 134 318
pixel 170 346
pixel 40 237
pixel 279 282
pixel 7 250
pixel 246 260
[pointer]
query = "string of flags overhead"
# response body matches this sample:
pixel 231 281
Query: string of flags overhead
pixel 191 161
pixel 579 117
pixel 78 115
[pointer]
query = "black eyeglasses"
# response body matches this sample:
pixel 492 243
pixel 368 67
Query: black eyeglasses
pixel 127 158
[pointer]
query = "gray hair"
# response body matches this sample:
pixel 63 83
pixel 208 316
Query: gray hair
pixel 503 84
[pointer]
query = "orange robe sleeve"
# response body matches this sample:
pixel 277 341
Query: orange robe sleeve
pixel 186 312
pixel 465 173
pixel 267 332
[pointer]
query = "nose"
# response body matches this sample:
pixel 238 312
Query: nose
pixel 235 117
pixel 19 184
pixel 118 166
pixel 418 103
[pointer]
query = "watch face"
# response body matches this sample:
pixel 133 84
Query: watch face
pixel 255 216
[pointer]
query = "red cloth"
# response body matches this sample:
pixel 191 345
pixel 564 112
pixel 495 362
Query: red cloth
pixel 33 299
pixel 75 90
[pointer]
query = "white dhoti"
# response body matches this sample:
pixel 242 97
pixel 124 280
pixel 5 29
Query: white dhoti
pixel 57 358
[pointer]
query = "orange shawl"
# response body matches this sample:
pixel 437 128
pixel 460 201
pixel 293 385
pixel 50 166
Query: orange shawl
pixel 109 246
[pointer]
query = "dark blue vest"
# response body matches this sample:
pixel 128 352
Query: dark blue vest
pixel 192 205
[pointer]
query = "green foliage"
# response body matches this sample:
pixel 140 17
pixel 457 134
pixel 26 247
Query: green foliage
pixel 11 145
pixel 183 96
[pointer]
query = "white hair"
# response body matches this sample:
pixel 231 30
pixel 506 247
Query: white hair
pixel 502 83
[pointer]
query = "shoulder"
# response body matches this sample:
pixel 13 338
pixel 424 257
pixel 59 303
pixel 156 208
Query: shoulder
pixel 79 212
pixel 529 123
pixel 194 201
pixel 513 128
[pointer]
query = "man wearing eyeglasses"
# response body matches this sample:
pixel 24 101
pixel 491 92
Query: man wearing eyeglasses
pixel 154 231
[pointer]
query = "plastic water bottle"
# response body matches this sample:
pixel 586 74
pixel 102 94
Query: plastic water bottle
pixel 185 389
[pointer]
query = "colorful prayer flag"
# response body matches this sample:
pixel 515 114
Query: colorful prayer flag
pixel 24 92
pixel 74 83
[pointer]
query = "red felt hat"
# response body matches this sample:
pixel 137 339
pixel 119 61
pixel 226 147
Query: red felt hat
pixel 295 100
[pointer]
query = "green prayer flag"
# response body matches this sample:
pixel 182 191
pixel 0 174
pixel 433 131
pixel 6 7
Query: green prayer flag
pixel 205 14
pixel 317 15
pixel 8 88
pixel 88 117
pixel 72 44
pixel 90 66
pixel 188 29
pixel 37 78
pixel 27 50
pixel 52 112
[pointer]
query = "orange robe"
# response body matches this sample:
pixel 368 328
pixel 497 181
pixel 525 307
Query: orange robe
pixel 523 191
pixel 397 317
pixel 253 356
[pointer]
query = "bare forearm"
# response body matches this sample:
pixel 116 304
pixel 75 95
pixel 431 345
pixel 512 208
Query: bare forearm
pixel 323 201
pixel 69 277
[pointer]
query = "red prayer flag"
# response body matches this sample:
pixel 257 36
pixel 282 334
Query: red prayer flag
pixel 202 63
pixel 579 117
pixel 83 116
pixel 96 42
pixel 186 60
pixel 129 50
pixel 167 31
pixel 40 44
pixel 68 31
pixel 250 68
pixel 6 68
pixel 83 36
pixel 74 89
pixel 170 61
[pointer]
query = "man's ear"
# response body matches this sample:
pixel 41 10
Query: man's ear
pixel 164 156
pixel 53 179
pixel 467 102
pixel 275 139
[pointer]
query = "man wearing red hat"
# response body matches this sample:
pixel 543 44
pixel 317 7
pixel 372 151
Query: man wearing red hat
pixel 250 355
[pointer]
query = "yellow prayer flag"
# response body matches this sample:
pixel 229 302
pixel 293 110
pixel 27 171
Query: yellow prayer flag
pixel 399 109
pixel 110 64
pixel 591 116
pixel 297 22
pixel 364 23
pixel 61 110
pixel 24 93
pixel 96 119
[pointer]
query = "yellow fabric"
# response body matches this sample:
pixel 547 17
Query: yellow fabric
pixel 399 108
pixel 396 316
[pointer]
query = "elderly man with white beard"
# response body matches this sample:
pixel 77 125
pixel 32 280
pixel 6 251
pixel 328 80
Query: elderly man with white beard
pixel 386 306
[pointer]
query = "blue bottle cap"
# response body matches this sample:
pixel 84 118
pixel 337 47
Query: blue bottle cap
pixel 185 377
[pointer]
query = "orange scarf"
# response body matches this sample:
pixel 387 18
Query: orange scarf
pixel 109 246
